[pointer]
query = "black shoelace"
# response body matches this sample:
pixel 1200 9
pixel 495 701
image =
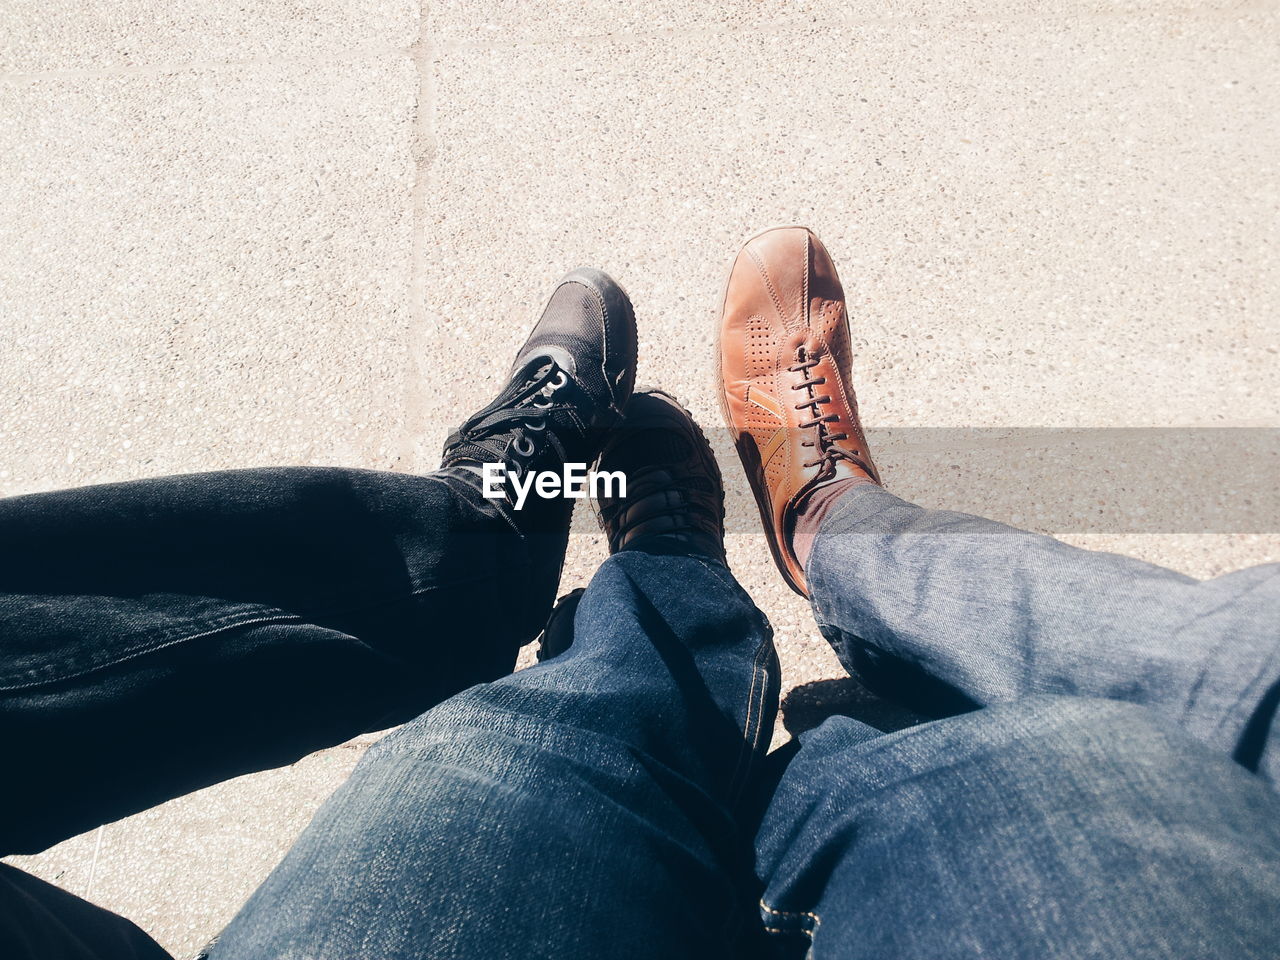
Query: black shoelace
pixel 513 429
pixel 823 440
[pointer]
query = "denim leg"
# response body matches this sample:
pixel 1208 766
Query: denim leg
pixel 159 636
pixel 1049 828
pixel 998 614
pixel 38 921
pixel 586 807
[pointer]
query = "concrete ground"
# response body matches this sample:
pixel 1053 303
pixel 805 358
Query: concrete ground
pixel 243 232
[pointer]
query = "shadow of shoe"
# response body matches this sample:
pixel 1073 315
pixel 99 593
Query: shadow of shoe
pixel 809 704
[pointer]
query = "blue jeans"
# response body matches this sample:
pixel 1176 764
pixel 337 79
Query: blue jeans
pixel 1109 792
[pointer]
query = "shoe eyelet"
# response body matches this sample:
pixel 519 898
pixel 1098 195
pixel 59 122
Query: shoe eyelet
pixel 561 379
pixel 535 424
pixel 522 447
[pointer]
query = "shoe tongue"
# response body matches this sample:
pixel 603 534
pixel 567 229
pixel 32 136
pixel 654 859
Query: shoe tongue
pixel 523 380
pixel 519 391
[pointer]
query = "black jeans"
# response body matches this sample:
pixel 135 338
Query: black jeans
pixel 234 622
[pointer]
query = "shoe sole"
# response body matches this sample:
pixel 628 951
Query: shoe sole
pixel 748 454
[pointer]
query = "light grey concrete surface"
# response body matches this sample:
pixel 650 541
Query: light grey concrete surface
pixel 248 233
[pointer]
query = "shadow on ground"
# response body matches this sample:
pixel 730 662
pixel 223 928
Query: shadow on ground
pixel 809 704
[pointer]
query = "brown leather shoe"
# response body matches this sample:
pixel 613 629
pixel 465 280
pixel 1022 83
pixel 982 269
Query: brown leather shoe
pixel 785 391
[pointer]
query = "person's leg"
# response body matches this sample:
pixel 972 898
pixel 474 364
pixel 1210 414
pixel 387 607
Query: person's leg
pixel 39 921
pixel 159 636
pixel 987 613
pixel 162 635
pixel 156 637
pixel 1000 614
pixel 586 807
pixel 1049 828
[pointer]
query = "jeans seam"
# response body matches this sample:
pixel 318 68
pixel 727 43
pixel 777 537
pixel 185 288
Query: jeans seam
pixel 753 724
pixel 749 742
pixel 807 921
pixel 760 666
pixel 220 625
pixel 234 624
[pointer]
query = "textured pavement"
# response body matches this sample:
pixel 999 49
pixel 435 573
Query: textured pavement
pixel 247 233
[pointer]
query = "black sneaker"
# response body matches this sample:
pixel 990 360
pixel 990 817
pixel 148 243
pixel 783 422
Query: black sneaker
pixel 674 488
pixel 568 387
